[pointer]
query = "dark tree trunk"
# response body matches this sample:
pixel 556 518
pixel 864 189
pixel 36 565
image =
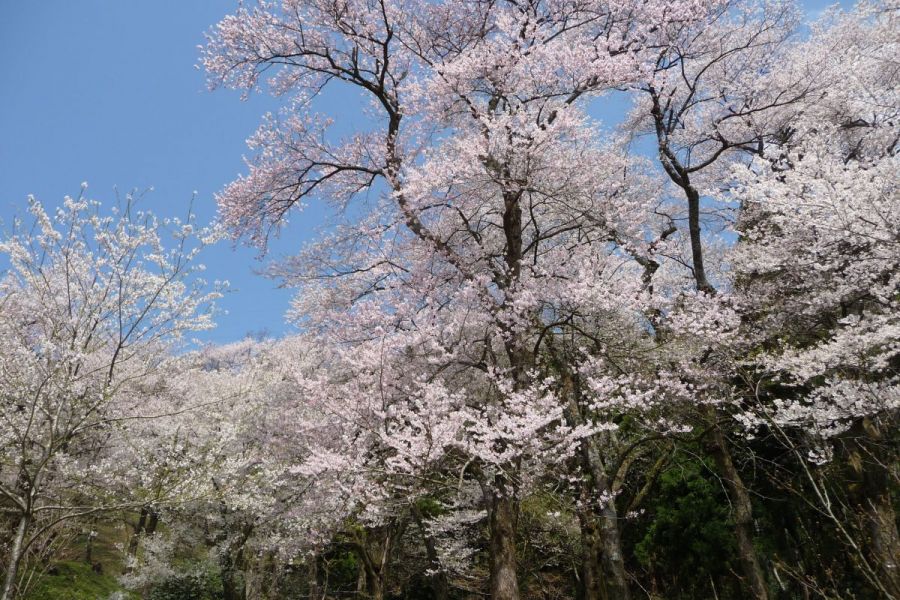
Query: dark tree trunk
pixel 885 547
pixel 231 559
pixel 680 175
pixel 370 583
pixel 875 503
pixel 606 534
pixel 440 587
pixel 743 514
pixel 152 522
pixel 232 583
pixel 136 534
pixel 603 575
pixel 693 198
pixel 89 548
pixel 233 587
pixel 374 557
pixel 374 586
pixel 503 508
pixel 146 525
pixel 591 577
pixel 503 516
pixel 602 563
pixel 314 577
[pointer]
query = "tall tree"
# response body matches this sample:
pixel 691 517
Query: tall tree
pixel 817 268
pixel 497 204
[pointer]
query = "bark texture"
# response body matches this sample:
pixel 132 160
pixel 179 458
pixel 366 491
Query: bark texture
pixel 504 581
pixel 15 557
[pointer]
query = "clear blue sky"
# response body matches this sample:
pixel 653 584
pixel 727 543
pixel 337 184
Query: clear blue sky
pixel 106 91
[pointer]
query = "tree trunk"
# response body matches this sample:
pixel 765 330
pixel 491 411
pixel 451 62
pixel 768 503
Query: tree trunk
pixel 876 504
pixel 232 584
pixel 261 578
pixel 737 492
pixel 361 581
pixel 231 563
pixel 369 583
pixel 314 577
pixel 232 578
pixel 603 566
pixel 609 546
pixel 693 198
pixel 15 557
pixel 504 582
pixel 373 563
pixel 146 525
pixel 882 521
pixel 440 588
pixel 89 548
pixel 681 177
pixel 374 586
pixel 136 535
pixel 743 514
pixel 152 522
pixel 615 579
pixel 591 578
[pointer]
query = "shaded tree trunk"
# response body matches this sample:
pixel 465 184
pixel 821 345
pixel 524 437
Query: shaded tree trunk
pixel 314 577
pixel 232 578
pixel 135 536
pixel 502 507
pixel 503 517
pixel 374 586
pixel 146 525
pixel 603 575
pixel 374 557
pixel 603 566
pixel 875 503
pixel 885 547
pixel 152 522
pixel 232 566
pixel 590 587
pixel 743 513
pixel 370 581
pixel 262 579
pixel 232 584
pixel 680 176
pixel 615 580
pixel 361 581
pixel 15 557
pixel 606 535
pixel 679 173
pixel 89 546
pixel 693 198
pixel 440 587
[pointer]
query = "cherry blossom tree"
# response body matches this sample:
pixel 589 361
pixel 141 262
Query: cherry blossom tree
pixel 720 90
pixel 454 260
pixel 817 270
pixel 194 450
pixel 91 305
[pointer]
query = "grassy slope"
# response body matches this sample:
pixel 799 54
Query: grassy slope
pixel 74 580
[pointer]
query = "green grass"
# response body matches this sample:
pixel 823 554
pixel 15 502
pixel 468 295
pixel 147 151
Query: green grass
pixel 74 580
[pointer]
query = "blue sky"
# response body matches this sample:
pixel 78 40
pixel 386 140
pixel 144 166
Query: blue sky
pixel 106 91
